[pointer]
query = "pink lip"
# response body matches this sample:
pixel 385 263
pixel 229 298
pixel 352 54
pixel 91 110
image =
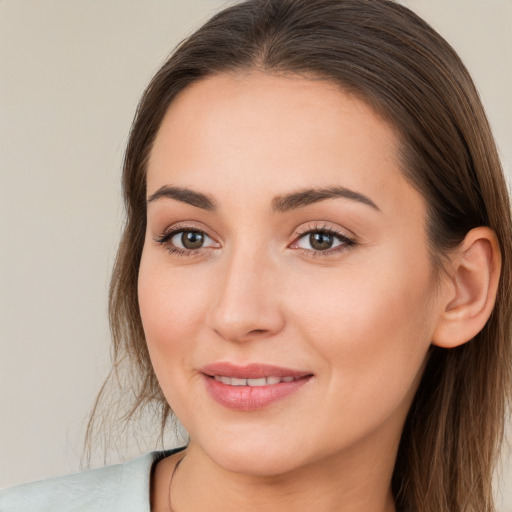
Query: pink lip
pixel 249 398
pixel 250 371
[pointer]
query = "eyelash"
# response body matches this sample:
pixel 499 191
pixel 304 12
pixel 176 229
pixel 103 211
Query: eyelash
pixel 165 238
pixel 347 243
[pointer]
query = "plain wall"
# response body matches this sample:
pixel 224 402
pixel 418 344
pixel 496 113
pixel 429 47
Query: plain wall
pixel 71 73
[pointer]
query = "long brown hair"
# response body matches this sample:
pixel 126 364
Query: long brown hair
pixel 389 57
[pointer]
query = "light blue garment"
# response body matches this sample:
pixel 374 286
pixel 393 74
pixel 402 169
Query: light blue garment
pixel 118 488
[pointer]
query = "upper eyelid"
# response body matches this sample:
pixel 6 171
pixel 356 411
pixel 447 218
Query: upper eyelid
pixel 336 234
pixel 304 229
pixel 167 235
pixel 185 226
pixel 316 226
pixel 347 237
pixel 165 240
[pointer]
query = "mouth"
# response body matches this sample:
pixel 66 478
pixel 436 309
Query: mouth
pixel 263 381
pixel 252 387
pixel 252 372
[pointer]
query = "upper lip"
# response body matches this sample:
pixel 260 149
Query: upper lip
pixel 250 371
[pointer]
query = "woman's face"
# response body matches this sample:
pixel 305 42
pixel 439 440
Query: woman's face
pixel 285 287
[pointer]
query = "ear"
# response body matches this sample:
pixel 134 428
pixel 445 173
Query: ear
pixel 470 291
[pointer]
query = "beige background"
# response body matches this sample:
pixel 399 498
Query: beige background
pixel 71 73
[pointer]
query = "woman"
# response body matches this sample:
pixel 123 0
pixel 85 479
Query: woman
pixel 314 271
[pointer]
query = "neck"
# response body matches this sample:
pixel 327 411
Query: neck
pixel 323 486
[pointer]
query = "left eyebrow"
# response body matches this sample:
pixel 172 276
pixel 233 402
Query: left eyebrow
pixel 306 197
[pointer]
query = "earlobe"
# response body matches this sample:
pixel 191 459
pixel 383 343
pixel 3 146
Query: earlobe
pixel 471 292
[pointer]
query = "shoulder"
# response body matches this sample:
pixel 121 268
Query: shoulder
pixel 121 487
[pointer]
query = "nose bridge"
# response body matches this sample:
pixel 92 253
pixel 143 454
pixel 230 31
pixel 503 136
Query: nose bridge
pixel 246 304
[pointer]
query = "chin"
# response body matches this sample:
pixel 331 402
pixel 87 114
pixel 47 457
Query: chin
pixel 254 456
pixel 271 462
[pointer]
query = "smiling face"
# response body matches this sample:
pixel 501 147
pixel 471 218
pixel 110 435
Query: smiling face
pixel 284 244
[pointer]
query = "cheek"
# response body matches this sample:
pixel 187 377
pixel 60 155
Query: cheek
pixel 172 303
pixel 373 328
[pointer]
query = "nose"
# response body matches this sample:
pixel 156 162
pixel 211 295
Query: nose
pixel 246 305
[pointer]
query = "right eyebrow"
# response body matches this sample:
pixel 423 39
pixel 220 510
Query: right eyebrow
pixel 184 195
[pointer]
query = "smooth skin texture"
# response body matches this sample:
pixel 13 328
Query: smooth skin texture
pixel 359 312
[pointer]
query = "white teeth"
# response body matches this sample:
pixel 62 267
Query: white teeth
pixel 263 381
pixel 257 382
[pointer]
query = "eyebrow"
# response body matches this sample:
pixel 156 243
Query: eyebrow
pixel 280 204
pixel 309 196
pixel 184 195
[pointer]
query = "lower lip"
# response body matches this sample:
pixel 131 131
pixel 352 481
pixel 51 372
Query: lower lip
pixel 251 398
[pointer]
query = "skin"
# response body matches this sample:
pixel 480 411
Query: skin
pixel 360 317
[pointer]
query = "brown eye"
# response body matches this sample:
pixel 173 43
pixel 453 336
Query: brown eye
pixel 186 241
pixel 192 239
pixel 321 241
pixel 324 241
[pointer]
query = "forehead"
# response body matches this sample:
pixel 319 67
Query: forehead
pixel 269 134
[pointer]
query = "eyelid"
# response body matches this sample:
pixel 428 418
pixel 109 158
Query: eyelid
pixel 347 238
pixel 173 234
pixel 164 239
pixel 324 226
pixel 186 226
